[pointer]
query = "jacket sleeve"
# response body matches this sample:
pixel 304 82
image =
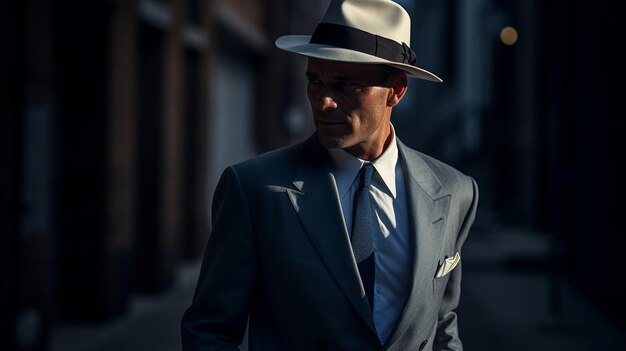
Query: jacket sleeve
pixel 446 334
pixel 217 317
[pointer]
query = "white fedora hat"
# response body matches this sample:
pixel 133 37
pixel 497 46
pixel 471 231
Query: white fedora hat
pixel 361 31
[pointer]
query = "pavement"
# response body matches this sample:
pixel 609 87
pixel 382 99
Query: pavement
pixel 510 302
pixel 152 322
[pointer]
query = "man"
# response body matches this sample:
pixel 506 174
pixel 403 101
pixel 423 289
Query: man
pixel 349 240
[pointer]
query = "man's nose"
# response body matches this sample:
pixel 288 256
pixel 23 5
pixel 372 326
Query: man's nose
pixel 327 102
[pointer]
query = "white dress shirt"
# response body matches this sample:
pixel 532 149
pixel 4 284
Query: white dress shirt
pixel 392 243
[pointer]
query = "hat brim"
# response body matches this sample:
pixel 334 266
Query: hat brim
pixel 299 44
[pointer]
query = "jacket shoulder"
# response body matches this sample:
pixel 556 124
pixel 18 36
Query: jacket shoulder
pixel 443 170
pixel 272 166
pixel 452 180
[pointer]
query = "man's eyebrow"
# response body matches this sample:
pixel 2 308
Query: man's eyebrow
pixel 348 78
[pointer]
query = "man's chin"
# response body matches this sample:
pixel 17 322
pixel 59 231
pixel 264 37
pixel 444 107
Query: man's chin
pixel 332 142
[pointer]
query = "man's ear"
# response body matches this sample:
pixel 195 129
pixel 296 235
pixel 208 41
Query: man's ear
pixel 399 86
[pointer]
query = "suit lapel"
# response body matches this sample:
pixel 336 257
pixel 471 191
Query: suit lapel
pixel 317 204
pixel 428 208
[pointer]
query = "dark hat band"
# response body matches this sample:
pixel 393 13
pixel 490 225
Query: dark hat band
pixel 358 40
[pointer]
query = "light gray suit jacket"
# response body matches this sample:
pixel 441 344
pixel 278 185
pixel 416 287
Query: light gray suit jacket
pixel 279 255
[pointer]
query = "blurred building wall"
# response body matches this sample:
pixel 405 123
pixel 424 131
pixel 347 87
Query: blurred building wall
pixel 533 122
pixel 27 179
pixel 117 120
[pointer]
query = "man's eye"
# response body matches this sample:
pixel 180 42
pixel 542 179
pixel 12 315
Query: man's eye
pixel 313 81
pixel 348 85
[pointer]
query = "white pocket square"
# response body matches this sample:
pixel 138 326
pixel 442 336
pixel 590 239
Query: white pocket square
pixel 448 265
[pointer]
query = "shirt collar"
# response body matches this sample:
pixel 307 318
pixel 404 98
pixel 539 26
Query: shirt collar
pixel 346 167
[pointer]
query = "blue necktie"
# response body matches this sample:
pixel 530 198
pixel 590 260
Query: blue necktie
pixel 362 237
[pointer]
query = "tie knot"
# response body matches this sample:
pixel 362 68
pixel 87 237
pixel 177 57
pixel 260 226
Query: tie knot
pixel 366 175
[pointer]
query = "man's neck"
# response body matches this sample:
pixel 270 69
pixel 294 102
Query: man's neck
pixel 371 151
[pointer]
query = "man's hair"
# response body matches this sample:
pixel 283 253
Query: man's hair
pixel 388 72
pixel 392 71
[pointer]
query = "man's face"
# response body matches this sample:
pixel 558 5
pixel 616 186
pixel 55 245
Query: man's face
pixel 350 103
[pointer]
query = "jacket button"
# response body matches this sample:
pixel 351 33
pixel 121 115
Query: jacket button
pixel 423 344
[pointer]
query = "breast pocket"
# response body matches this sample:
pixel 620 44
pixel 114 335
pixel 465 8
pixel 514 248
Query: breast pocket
pixel 445 266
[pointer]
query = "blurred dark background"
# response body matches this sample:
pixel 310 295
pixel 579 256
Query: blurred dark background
pixel 117 117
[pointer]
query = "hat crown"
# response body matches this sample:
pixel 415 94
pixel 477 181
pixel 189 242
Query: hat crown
pixel 361 31
pixel 384 18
